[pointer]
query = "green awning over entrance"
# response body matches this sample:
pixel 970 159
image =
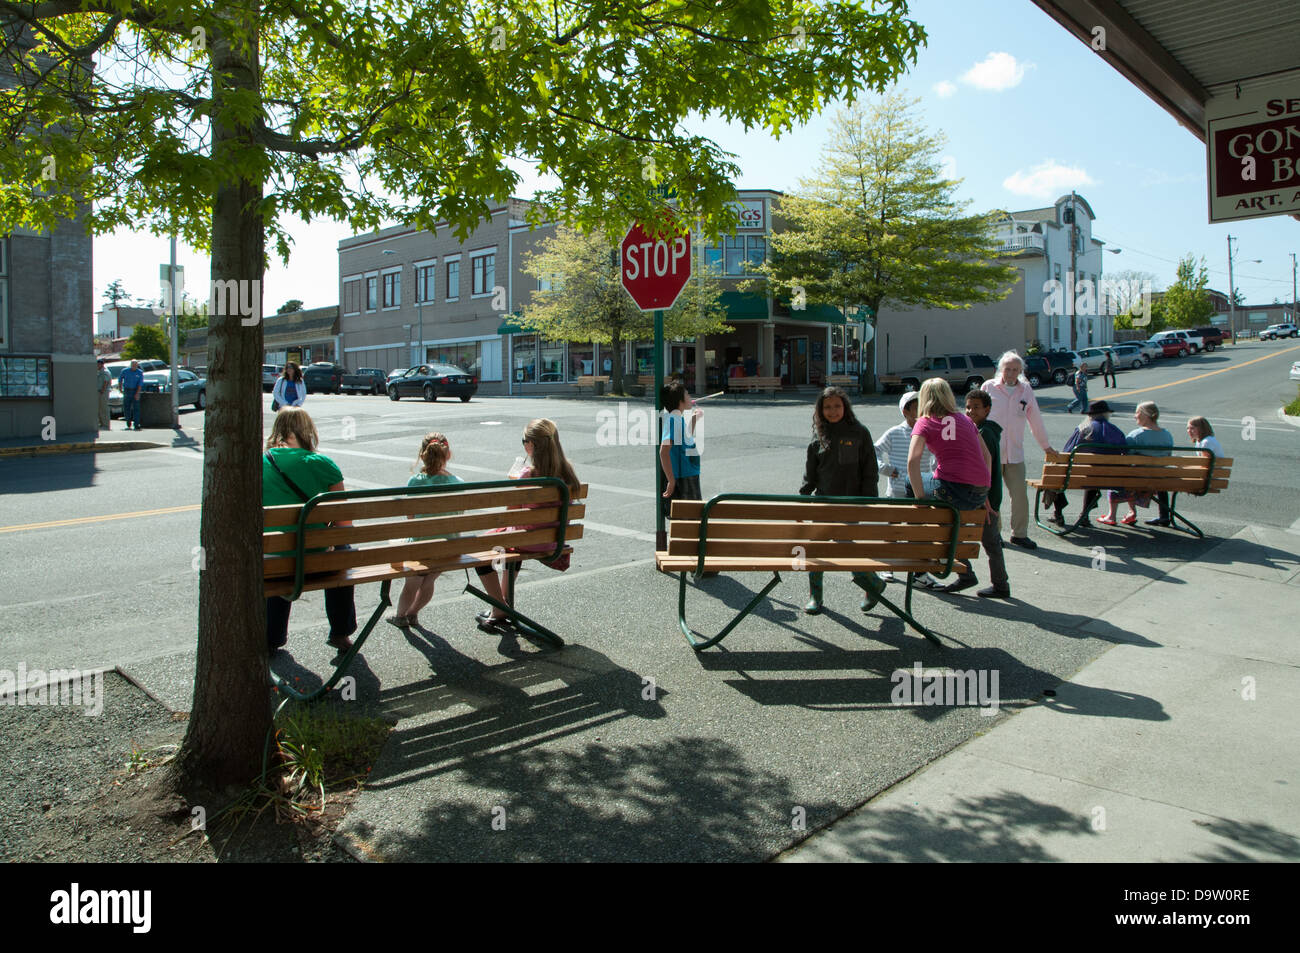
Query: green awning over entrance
pixel 744 306
pixel 509 327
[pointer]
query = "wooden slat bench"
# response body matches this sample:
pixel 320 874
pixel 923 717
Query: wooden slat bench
pixel 1196 471
pixel 378 547
pixel 842 380
pixel 753 384
pixel 590 381
pixel 741 532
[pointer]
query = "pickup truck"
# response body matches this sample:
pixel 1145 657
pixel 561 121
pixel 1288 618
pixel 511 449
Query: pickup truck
pixel 367 380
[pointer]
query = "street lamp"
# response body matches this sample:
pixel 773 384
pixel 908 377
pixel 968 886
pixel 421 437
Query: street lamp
pixel 1232 291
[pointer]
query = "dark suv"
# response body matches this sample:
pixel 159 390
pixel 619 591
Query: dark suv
pixel 324 377
pixel 1213 337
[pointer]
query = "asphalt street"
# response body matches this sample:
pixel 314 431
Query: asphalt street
pixel 97 554
pixel 113 579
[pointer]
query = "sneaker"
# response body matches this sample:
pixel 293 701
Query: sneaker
pixel 926 581
pixel 814 607
pixel 993 592
pixel 1158 521
pixel 1023 541
pixel 888 576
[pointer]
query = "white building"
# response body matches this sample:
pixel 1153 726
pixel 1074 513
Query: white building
pixel 1039 241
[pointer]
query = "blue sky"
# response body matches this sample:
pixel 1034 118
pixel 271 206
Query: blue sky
pixel 1029 113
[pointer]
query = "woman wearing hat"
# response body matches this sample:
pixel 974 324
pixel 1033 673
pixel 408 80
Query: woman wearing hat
pixel 1096 429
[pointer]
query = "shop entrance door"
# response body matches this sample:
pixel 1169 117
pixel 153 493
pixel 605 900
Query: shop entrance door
pixel 798 360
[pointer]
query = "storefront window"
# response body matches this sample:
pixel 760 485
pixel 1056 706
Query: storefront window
pixel 757 252
pixel 525 358
pixel 713 259
pixel 581 361
pixel 736 255
pixel 551 369
pixel 644 359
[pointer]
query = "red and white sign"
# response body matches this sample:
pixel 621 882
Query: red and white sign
pixel 655 270
pixel 1252 141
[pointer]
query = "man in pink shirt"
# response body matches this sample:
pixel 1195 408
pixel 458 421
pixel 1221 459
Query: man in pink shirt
pixel 1014 405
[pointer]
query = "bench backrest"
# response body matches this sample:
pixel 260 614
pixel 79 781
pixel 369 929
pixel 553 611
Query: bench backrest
pixel 480 517
pixel 807 527
pixel 1186 470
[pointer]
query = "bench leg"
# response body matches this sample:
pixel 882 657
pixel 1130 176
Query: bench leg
pixel 1175 518
pixel 1051 527
pixel 905 613
pixel 700 643
pixel 525 625
pixel 342 661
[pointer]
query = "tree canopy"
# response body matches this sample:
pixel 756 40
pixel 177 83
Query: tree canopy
pixel 1185 303
pixel 218 123
pixel 878 223
pixel 147 342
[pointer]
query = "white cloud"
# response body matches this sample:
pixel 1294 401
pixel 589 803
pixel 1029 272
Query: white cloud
pixel 996 72
pixel 1047 180
pixel 944 89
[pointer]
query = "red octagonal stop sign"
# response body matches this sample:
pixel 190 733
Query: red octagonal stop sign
pixel 655 270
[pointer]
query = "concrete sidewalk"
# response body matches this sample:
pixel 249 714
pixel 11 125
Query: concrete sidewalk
pixel 102 441
pixel 1179 748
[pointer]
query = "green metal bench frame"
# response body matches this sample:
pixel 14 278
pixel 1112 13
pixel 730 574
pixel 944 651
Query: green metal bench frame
pixel 526 626
pixel 700 642
pixel 1125 452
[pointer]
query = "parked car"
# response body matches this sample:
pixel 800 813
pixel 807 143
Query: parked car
pixel 1171 347
pixel 432 381
pixel 1193 340
pixel 269 373
pixel 324 377
pixel 1128 355
pixel 1275 331
pixel 1213 337
pixel 194 389
pixel 1092 359
pixel 367 380
pixel 1295 371
pixel 1039 371
pixel 1150 350
pixel 961 371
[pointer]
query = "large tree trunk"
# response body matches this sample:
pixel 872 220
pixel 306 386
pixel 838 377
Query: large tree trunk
pixel 230 716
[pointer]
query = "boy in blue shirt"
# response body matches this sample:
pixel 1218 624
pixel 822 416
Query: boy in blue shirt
pixel 678 456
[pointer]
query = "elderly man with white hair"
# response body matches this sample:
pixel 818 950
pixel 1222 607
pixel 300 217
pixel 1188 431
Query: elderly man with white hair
pixel 1014 406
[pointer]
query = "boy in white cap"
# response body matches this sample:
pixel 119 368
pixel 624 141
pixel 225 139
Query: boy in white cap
pixel 891 458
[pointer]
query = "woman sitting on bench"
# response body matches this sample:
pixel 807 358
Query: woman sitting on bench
pixel 292 473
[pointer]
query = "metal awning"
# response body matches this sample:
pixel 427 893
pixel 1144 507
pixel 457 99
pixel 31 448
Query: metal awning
pixel 1182 52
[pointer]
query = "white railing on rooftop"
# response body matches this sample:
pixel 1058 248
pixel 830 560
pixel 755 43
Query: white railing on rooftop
pixel 1010 243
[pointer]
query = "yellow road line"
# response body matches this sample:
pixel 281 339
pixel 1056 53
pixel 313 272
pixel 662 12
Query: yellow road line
pixel 1222 370
pixel 98 519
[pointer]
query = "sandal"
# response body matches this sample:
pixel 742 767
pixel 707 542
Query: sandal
pixel 1105 521
pixel 1130 519
pixel 501 626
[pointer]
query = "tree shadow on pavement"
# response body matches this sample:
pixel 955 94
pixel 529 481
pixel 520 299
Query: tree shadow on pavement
pixel 680 799
pixel 1005 827
pixel 484 709
pixel 1250 841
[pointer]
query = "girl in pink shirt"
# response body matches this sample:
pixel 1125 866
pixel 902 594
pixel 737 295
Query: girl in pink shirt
pixel 962 462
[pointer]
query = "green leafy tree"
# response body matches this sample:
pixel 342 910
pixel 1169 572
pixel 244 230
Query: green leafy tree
pixel 1185 304
pixel 879 224
pixel 293 304
pixel 584 299
pixel 148 342
pixel 216 122
pixel 115 293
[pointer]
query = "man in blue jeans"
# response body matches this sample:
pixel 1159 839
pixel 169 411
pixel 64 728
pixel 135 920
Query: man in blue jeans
pixel 131 381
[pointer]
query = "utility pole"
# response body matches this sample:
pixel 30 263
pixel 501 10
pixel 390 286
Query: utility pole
pixel 1072 290
pixel 1294 302
pixel 1232 297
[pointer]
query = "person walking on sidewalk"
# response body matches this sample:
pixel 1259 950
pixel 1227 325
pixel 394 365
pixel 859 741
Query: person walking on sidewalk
pixel 978 405
pixel 131 381
pixel 290 390
pixel 105 382
pixel 1014 407
pixel 841 462
pixel 1079 384
pixel 1108 370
